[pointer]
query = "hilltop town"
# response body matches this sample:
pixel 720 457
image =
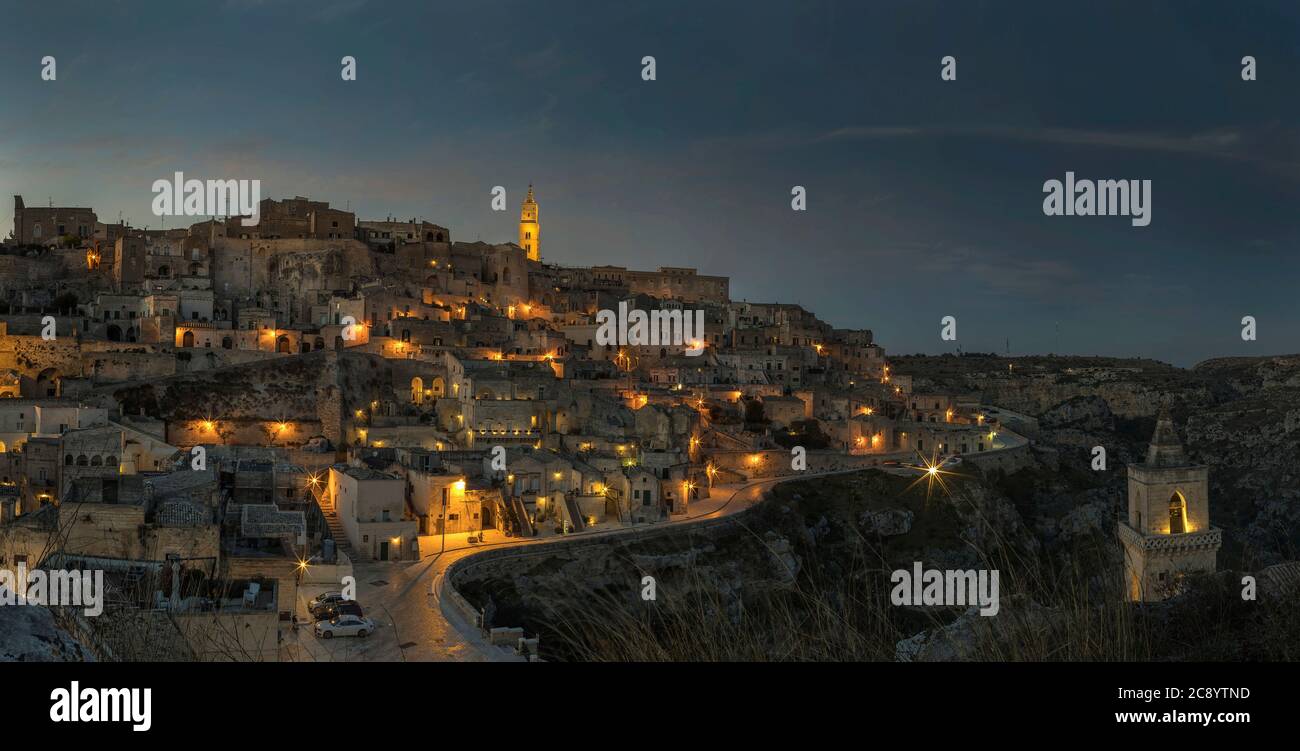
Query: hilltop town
pixel 234 420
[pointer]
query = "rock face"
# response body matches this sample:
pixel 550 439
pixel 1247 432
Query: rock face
pixel 975 637
pixel 28 633
pixel 886 523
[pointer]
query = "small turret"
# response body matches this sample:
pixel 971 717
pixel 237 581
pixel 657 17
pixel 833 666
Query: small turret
pixel 1166 450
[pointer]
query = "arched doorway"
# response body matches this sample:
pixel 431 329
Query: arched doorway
pixel 187 340
pixel 282 345
pixel 417 390
pixel 1177 514
pixel 114 333
pixel 438 387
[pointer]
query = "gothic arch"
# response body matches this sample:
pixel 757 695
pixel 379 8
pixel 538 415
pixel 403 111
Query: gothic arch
pixel 1177 513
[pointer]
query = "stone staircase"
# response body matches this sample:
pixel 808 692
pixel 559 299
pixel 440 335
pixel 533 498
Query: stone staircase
pixel 337 532
pixel 340 535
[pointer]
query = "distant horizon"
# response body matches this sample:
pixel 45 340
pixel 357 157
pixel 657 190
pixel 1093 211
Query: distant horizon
pixel 511 217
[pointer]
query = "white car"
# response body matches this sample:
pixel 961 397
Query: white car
pixel 345 625
pixel 951 461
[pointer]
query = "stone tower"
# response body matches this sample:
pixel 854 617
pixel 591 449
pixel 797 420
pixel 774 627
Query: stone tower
pixel 529 229
pixel 1167 533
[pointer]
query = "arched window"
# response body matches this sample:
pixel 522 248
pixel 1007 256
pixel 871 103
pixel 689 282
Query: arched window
pixel 110 461
pixel 1177 514
pixel 96 461
pixel 82 461
pixel 67 460
pixel 227 343
pixel 417 390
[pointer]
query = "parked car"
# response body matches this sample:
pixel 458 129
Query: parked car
pixel 346 607
pixel 891 463
pixel 322 602
pixel 951 461
pixel 345 625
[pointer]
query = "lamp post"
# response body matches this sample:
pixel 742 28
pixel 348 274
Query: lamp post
pixel 444 523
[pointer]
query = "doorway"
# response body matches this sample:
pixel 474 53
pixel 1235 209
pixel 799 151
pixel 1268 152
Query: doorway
pixel 383 550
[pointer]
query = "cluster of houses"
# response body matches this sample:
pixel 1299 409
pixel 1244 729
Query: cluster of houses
pixel 222 411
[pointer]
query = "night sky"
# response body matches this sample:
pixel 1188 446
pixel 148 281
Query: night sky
pixel 924 196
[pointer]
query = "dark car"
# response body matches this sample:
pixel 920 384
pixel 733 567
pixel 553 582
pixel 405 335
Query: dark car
pixel 346 607
pixel 324 600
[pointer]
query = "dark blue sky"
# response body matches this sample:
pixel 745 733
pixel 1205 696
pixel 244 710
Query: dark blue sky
pixel 925 197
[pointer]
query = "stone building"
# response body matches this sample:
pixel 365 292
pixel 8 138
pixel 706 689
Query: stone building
pixel 372 508
pixel 1167 534
pixel 38 225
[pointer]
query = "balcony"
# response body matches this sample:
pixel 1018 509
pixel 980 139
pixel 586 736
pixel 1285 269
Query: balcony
pixel 1206 539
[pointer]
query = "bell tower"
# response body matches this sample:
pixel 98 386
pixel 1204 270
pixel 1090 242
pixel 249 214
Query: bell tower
pixel 1167 533
pixel 529 228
